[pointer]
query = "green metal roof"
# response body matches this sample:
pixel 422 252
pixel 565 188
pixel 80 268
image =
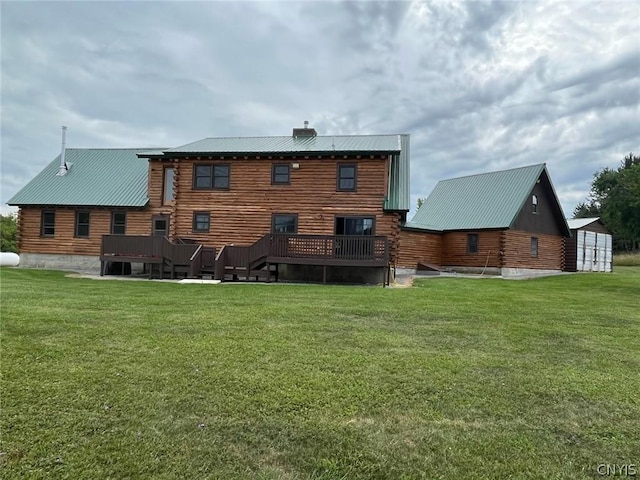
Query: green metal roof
pixel 290 144
pixel 96 177
pixel 398 196
pixel 488 200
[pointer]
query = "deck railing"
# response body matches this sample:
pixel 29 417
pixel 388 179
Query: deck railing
pixel 356 250
pixel 151 249
pixel 133 245
pixel 359 248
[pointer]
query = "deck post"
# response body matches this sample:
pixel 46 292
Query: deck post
pixel 324 274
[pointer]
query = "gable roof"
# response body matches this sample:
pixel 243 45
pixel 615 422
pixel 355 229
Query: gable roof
pixel 484 201
pixel 96 177
pixel 576 223
pixel 290 144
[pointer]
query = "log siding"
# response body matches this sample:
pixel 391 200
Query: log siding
pixel 496 249
pixel 517 250
pixel 239 215
pixel 243 213
pixel 454 249
pixel 417 247
pixel 64 241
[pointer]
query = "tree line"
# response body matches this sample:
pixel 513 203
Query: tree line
pixel 8 233
pixel 615 198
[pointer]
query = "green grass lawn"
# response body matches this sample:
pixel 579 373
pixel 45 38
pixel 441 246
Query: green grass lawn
pixel 453 378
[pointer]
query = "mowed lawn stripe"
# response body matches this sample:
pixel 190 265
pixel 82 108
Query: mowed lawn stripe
pixel 453 378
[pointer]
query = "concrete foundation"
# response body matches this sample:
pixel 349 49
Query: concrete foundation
pixel 75 263
pixel 527 272
pixel 473 270
pixel 492 271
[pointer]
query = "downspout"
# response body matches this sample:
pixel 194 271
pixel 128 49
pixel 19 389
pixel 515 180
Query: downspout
pixel 62 169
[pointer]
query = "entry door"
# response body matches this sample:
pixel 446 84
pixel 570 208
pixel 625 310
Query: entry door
pixel 358 243
pixel 160 226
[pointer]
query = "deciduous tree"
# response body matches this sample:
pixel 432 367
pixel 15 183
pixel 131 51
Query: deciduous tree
pixel 615 198
pixel 8 233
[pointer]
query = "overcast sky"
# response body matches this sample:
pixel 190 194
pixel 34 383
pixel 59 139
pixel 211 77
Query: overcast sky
pixel 480 86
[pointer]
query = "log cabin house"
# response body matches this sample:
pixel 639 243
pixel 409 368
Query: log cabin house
pixel 317 208
pixel 507 222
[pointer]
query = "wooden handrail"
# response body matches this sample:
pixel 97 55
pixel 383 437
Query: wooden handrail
pixel 197 252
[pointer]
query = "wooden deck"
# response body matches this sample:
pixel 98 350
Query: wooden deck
pixel 189 259
pixel 257 261
pixel 295 249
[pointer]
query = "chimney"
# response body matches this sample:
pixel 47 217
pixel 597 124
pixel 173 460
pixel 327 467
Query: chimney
pixel 305 132
pixel 63 168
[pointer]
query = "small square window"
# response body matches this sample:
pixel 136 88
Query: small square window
pixel 118 223
pixel 48 224
pixel 284 223
pixel 160 225
pixel 82 224
pixel 472 243
pixel 201 221
pixel 534 246
pixel 281 174
pixel 347 178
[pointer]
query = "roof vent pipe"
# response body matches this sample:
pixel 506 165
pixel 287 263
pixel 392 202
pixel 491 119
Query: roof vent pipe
pixel 63 168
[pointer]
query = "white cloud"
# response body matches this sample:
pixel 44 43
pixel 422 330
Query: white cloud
pixel 479 85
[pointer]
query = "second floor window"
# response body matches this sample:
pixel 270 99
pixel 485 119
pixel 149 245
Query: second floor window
pixel 167 189
pixel 280 174
pixel 347 177
pixel 209 177
pixel 534 204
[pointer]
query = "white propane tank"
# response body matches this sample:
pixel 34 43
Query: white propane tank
pixel 9 259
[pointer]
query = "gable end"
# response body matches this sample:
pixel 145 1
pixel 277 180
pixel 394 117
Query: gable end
pixel 546 216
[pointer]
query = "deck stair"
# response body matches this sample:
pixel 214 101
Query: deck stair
pixel 158 254
pixel 245 262
pixel 261 259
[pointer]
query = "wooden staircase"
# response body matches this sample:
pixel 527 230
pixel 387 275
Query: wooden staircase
pixel 158 254
pixel 260 260
pixel 245 262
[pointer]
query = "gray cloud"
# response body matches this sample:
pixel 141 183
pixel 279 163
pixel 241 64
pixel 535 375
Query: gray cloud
pixel 479 85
